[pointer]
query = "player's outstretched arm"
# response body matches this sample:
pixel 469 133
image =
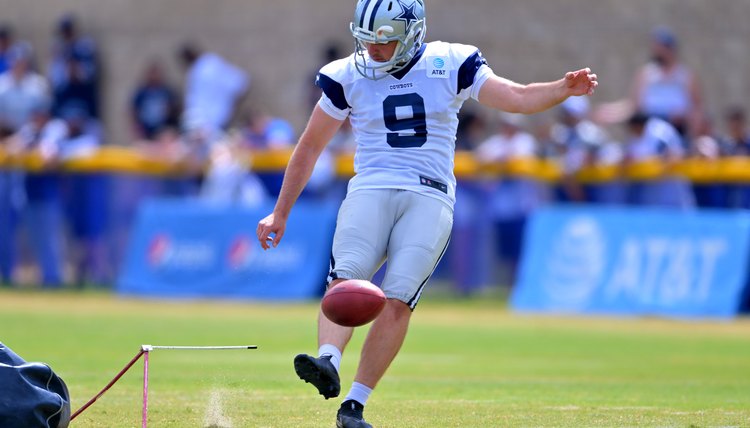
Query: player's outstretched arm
pixel 506 95
pixel 320 129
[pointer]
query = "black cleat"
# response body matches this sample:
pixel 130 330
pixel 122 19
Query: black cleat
pixel 350 415
pixel 319 372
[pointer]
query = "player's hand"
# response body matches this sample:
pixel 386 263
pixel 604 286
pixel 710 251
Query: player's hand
pixel 581 82
pixel 266 227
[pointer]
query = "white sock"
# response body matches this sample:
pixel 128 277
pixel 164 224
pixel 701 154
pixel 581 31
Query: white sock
pixel 333 352
pixel 359 393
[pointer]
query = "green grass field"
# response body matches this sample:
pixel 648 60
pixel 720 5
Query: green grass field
pixel 465 364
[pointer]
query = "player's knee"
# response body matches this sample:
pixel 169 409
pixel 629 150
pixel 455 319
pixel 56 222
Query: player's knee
pixel 396 309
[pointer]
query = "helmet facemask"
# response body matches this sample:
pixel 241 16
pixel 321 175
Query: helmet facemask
pixel 387 26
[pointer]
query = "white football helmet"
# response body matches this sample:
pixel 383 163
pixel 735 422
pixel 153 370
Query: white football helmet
pixel 383 21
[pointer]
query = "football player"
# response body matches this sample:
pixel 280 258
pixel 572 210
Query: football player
pixel 402 97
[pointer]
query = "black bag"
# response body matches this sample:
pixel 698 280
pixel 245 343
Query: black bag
pixel 31 394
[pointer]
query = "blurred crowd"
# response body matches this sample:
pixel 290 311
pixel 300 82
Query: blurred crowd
pixel 662 119
pixel 50 111
pixel 54 112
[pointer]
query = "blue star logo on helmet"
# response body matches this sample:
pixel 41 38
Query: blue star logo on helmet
pixel 407 14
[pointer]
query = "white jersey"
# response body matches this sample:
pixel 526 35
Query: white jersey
pixel 405 123
pixel 666 94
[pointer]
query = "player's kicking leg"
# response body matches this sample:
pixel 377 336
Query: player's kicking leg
pixel 323 372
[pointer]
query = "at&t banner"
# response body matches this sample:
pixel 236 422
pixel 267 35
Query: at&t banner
pixel 634 261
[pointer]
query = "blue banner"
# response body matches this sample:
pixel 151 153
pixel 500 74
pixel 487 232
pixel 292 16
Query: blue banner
pixel 188 249
pixel 631 261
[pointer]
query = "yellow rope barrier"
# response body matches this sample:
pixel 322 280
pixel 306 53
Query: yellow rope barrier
pixel 123 160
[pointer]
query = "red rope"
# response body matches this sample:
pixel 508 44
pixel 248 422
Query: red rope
pixel 109 385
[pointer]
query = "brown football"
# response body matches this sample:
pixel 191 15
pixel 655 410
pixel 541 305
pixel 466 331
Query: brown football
pixel 353 302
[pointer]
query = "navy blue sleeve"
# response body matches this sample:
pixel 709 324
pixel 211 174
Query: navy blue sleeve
pixel 333 90
pixel 468 70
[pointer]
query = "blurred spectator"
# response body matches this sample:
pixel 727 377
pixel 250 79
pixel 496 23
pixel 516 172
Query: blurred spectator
pixel 736 142
pixel 649 139
pixel 21 90
pixel 706 147
pixel 469 252
pixel 12 199
pixel 84 133
pixel 154 105
pixel 327 185
pixel 343 142
pixel 75 93
pixel 170 148
pixel 510 142
pixel 564 133
pixel 189 153
pixel 187 156
pixel 73 68
pixel 583 143
pixel 705 143
pixel 168 145
pixel 666 87
pixel 229 180
pixel 471 130
pixel 263 131
pixel 576 135
pixel 43 136
pixel 511 198
pixel 85 197
pixel 321 183
pixel 275 133
pixel 573 147
pixel 541 128
pixel 213 88
pixel 330 53
pixel 6 41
